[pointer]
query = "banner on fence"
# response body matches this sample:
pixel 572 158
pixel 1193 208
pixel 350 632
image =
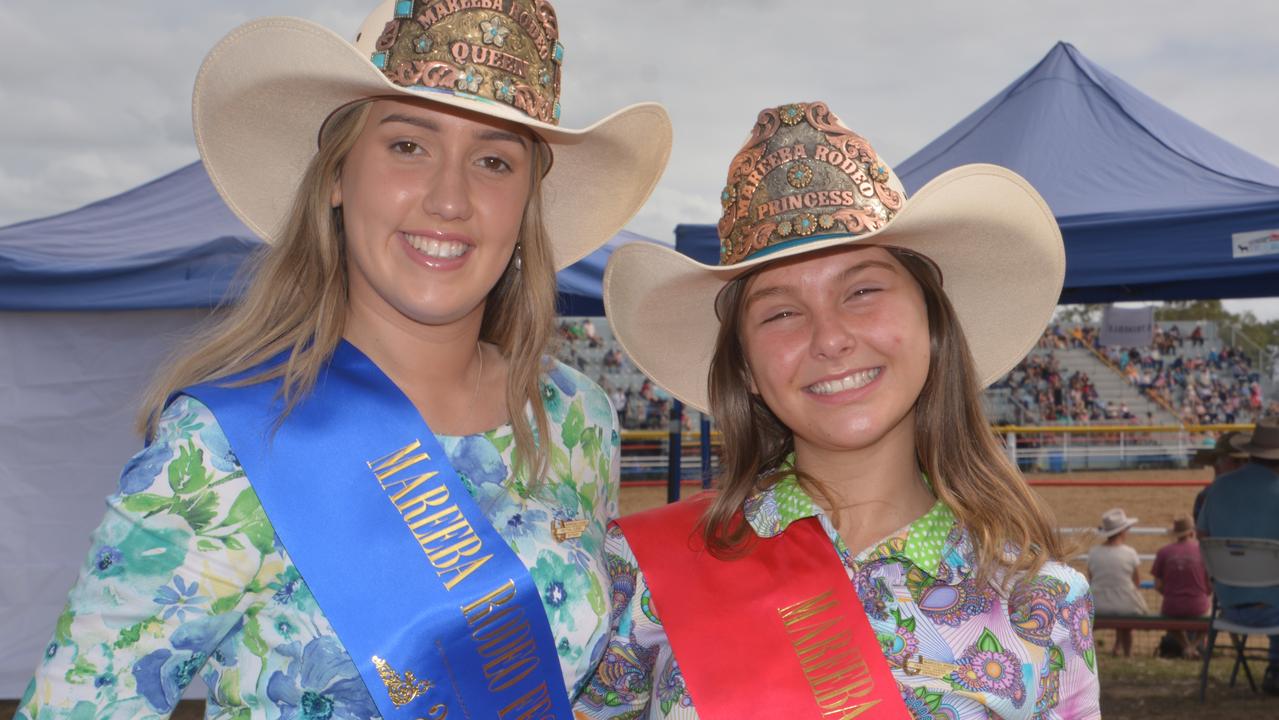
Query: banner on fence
pixel 1127 327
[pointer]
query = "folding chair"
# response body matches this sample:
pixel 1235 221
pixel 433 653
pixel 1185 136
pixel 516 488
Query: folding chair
pixel 1239 562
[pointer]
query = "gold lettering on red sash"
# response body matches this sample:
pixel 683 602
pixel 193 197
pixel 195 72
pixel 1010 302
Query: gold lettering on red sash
pixel 835 669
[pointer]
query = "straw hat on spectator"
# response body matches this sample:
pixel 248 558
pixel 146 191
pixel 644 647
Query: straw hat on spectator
pixel 1114 522
pixel 1262 442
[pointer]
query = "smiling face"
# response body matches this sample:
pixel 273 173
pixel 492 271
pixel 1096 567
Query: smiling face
pixel 432 202
pixel 838 346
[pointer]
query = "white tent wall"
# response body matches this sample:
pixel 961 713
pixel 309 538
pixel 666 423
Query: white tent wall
pixel 69 389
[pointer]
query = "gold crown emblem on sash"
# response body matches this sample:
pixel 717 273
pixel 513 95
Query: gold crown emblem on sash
pixel 402 690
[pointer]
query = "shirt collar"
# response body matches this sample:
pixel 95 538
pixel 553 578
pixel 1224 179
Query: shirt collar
pixel 925 543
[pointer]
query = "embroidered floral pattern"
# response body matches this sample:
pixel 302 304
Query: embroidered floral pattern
pixel 986 667
pixel 953 605
pixel 184 575
pixel 1078 616
pixel 1033 608
pixel 918 590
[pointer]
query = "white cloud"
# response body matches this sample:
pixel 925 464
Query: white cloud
pixel 97 95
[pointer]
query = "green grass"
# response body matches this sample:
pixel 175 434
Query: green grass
pixel 1148 687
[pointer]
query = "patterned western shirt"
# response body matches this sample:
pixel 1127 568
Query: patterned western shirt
pixel 1024 653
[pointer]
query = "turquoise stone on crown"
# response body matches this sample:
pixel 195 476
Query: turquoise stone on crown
pixel 379 60
pixel 404 9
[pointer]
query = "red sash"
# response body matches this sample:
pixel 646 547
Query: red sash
pixel 776 633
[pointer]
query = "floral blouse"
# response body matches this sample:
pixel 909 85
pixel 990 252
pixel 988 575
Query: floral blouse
pixel 185 574
pixel 1028 654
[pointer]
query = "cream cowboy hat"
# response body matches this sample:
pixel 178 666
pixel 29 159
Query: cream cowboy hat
pixel 1114 522
pixel 266 89
pixel 804 183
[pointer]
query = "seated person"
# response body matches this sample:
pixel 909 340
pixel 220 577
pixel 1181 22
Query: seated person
pixel 1245 504
pixel 1112 572
pixel 1223 458
pixel 1182 579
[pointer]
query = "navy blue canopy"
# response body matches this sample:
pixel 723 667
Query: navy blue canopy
pixel 1148 202
pixel 171 243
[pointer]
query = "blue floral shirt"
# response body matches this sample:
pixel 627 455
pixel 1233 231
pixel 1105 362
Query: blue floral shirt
pixel 185 575
pixel 1027 653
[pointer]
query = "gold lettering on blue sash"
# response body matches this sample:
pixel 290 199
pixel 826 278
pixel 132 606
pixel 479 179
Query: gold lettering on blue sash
pixel 440 528
pixel 388 465
pixel 503 637
pixel 527 706
pixel 835 670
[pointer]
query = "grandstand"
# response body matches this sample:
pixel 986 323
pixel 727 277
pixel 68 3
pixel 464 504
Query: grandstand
pixel 1189 376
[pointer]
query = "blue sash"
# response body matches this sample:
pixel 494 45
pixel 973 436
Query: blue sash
pixel 438 613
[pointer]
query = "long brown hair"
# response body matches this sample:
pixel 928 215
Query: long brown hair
pixel 953 443
pixel 296 302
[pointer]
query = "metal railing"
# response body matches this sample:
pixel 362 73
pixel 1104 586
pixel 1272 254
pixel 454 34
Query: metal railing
pixel 1107 447
pixel 1040 448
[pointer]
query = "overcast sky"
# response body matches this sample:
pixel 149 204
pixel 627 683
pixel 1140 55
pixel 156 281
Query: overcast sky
pixel 96 95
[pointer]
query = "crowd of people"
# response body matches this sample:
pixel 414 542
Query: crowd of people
pixel 1201 383
pixel 640 404
pixel 1207 385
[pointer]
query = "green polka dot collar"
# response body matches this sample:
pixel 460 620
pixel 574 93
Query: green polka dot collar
pixel 772 510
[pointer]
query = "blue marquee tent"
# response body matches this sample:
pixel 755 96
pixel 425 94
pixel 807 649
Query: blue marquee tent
pixel 171 243
pixel 1149 203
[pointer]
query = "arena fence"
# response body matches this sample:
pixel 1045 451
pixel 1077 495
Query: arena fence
pixel 1107 447
pixel 1034 448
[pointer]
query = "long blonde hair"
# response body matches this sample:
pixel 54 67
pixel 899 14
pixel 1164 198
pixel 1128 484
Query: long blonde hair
pixel 953 443
pixel 296 302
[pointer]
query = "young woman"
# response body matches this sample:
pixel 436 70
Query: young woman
pixel 871 552
pixel 367 491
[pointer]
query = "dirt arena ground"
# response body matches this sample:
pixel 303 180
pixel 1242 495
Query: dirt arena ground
pixel 1138 687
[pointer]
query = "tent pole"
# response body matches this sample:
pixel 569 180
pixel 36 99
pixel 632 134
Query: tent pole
pixel 675 451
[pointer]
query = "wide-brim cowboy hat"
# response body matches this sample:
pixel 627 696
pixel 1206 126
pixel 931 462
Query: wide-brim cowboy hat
pixel 985 228
pixel 265 91
pixel 1222 447
pixel 1262 442
pixel 1114 522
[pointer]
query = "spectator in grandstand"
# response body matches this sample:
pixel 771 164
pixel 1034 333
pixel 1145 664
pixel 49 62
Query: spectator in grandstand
pixel 1245 504
pixel 1197 336
pixel 1112 571
pixel 588 332
pixel 861 486
pixel 1182 579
